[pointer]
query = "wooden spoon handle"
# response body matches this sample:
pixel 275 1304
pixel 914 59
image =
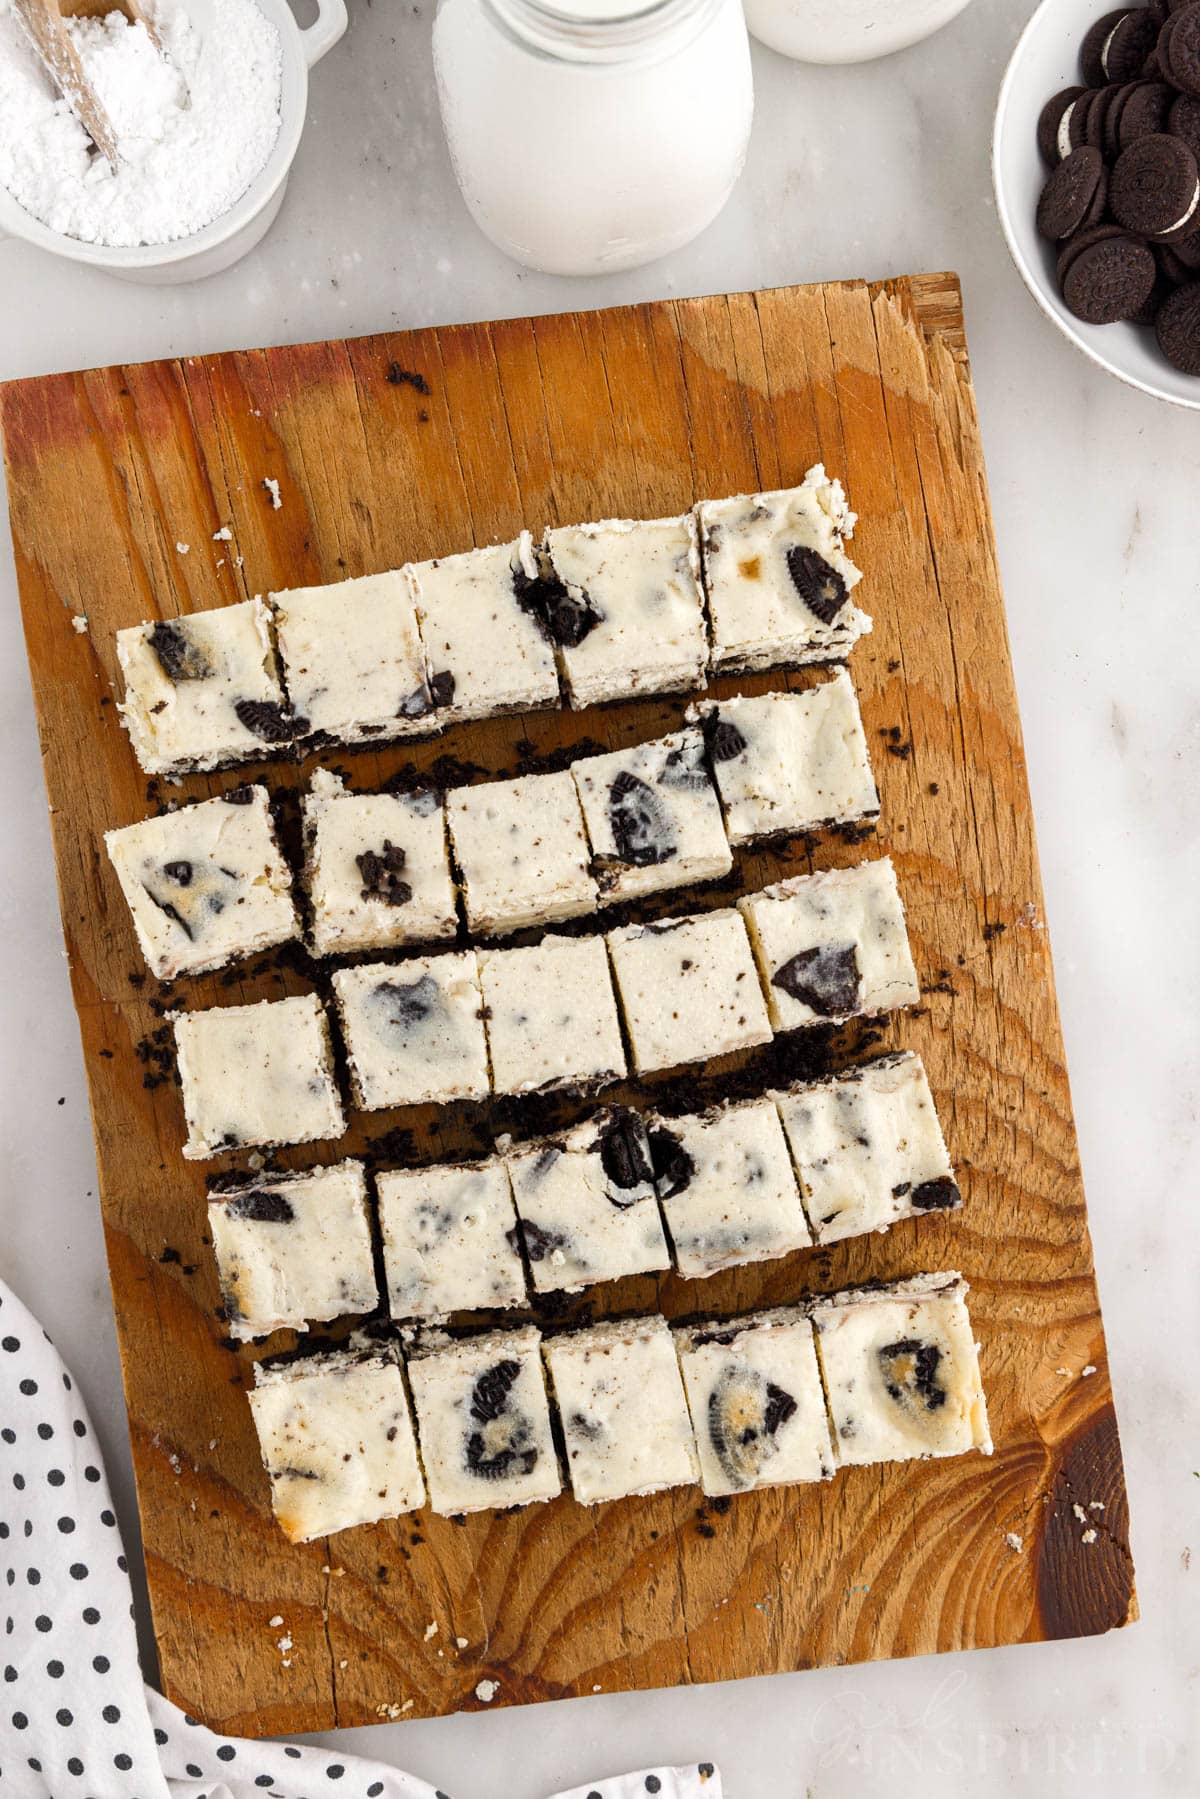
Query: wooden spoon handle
pixel 43 21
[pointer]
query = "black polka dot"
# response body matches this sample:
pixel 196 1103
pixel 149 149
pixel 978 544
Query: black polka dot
pixel 266 1780
pixel 19 1482
pixel 124 1762
pixel 66 1526
pixel 595 1795
pixel 33 1577
pixel 10 1673
pixel 10 1576
pixel 90 1615
pixel 293 1752
pixel 188 1719
pixel 45 1432
pixel 653 1783
pixel 65 1718
pixel 705 1770
pixel 79 1427
pixel 11 1344
pixel 79 1571
pixel 20 1721
pixel 102 1664
pixel 28 1387
pixel 35 1764
pixel 55 1670
pixel 111 1715
pixel 66 1380
pixel 226 1752
pixel 56 1478
pixel 106 1517
pixel 122 1564
pixel 374 1790
pixel 27 1528
pixel 9 1435
pixel 74 1765
pixel 3 1530
pixel 42 1623
pixel 160 1736
pixel 335 1770
pixel 90 1473
pixel 195 1772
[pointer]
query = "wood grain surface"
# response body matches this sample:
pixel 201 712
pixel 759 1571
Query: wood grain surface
pixel 424 442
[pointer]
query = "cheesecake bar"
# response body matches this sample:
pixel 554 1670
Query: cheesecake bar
pixel 652 815
pixel 449 1239
pixel 624 1416
pixel 377 868
pixel 413 1030
pixel 688 989
pixel 257 1076
pixel 551 1015
pixel 832 946
pixel 727 1186
pixel 293 1247
pixel 790 762
pixel 352 658
pixel 901 1371
pixel 203 690
pixel 777 577
pixel 521 852
pixel 337 1440
pixel 587 1204
pixel 484 1420
pixel 868 1148
pixel 624 604
pixel 206 884
pixel 757 1404
pixel 485 648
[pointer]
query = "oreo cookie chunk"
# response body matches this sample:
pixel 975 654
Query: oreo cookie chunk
pixel 1155 188
pixel 1074 196
pixel 652 816
pixel 414 1031
pixel 1177 327
pixel 448 1232
pixel 624 1416
pixel 483 1419
pixel 1108 278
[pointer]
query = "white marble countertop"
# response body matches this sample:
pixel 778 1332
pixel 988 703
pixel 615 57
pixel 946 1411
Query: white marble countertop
pixel 866 171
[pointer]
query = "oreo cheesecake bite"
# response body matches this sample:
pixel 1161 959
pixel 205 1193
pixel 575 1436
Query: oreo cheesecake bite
pixel 293 1249
pixel 551 1015
pixel 832 946
pixel 486 651
pixel 257 1077
pixel 652 817
pixel 777 577
pixel 449 1239
pixel 521 852
pixel 413 1030
pixel 337 1441
pixel 352 659
pixel 688 989
pixel 901 1371
pixel 205 885
pixel 483 1419
pixel 203 690
pixel 376 868
pixel 758 1408
pixel 727 1187
pixel 587 1205
pixel 621 1404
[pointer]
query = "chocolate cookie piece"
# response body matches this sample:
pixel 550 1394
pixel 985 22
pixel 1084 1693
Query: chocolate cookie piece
pixel 1177 328
pixel 1109 280
pixel 1083 240
pixel 1145 112
pixel 1091 53
pixel 1051 118
pixel 1124 52
pixel 1179 49
pixel 1074 129
pixel 1074 196
pixel 1095 117
pixel 1183 122
pixel 1155 186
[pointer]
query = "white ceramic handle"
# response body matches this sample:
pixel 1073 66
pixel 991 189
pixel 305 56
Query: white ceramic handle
pixel 323 34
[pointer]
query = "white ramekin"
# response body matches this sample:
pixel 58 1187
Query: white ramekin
pixel 237 231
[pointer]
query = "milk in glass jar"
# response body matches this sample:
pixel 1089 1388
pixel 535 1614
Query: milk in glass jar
pixel 590 135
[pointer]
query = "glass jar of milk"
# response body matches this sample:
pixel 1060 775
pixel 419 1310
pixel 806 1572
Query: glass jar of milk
pixel 590 135
pixel 846 30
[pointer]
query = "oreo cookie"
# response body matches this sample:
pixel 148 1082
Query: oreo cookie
pixel 1179 49
pixel 1051 118
pixel 1177 328
pixel 1124 52
pixel 1074 197
pixel 1091 54
pixel 1155 187
pixel 1108 279
pixel 1183 122
pixel 1145 112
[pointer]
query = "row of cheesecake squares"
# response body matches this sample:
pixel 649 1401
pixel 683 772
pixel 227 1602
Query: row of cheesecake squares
pixel 628 1407
pixel 595 612
pixel 556 1013
pixel 616 1195
pixel 207 884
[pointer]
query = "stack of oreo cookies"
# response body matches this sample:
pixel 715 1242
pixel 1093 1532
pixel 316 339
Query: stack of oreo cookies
pixel 1123 198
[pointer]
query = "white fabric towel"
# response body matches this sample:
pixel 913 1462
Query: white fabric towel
pixel 76 1719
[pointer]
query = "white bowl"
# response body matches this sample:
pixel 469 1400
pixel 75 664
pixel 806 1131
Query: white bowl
pixel 229 237
pixel 1045 60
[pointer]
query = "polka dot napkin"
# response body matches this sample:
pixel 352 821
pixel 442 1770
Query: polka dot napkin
pixel 76 1720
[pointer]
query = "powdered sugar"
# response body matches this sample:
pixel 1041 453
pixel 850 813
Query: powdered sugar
pixel 194 128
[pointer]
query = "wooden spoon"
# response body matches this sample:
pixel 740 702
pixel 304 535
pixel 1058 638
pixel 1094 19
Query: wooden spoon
pixel 44 22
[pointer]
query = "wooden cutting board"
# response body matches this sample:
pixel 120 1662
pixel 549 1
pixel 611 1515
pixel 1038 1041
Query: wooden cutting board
pixel 422 442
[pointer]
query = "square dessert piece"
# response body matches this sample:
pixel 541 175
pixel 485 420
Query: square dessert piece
pixel 485 648
pixel 293 1247
pixel 449 1239
pixel 787 762
pixel 652 817
pixel 688 989
pixel 352 658
pixel 777 576
pixel 621 1403
pixel 484 1420
pixel 205 885
pixel 832 946
pixel 203 690
pixel 901 1371
pixel 868 1148
pixel 631 618
pixel 413 1030
pixel 727 1186
pixel 587 1205
pixel 551 1015
pixel 256 1077
pixel 377 868
pixel 337 1440
pixel 521 852
pixel 757 1403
